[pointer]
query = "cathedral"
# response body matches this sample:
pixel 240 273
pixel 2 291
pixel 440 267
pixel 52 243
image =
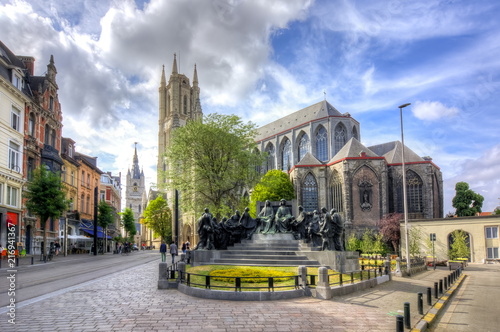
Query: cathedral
pixel 321 150
pixel 134 191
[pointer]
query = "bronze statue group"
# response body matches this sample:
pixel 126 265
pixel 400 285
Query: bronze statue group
pixel 324 230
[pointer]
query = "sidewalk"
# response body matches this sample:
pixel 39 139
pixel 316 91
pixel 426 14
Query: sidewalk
pixel 132 302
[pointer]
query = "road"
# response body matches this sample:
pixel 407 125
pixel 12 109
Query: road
pixel 474 307
pixel 32 281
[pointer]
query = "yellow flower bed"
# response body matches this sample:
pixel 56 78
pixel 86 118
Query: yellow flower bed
pixel 249 275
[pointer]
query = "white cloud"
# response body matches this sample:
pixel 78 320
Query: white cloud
pixel 432 110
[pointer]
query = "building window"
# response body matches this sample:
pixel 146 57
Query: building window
pixel 72 178
pixel 15 119
pixel 82 203
pixel 270 156
pixel 303 146
pixel 310 193
pixel 70 150
pixel 31 124
pixel 31 167
pixel 101 195
pixel 286 155
pixel 14 153
pixel 491 232
pixel 88 180
pixel 53 138
pixel 185 104
pixel 17 81
pixel 87 206
pixel 52 225
pixel 83 178
pixel 340 137
pixel 12 194
pixel 337 197
pixel 139 208
pixel 492 253
pixel 1 193
pixel 414 191
pixel 355 133
pixel 322 144
pixel 47 135
pixel 51 103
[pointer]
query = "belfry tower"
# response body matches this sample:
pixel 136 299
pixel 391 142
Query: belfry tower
pixel 179 103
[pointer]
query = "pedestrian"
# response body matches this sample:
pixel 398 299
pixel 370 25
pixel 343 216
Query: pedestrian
pixel 173 251
pixel 187 245
pixel 184 247
pixel 58 247
pixel 163 251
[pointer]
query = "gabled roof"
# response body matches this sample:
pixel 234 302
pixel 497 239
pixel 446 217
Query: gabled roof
pixel 353 148
pixel 309 159
pixel 317 111
pixel 392 152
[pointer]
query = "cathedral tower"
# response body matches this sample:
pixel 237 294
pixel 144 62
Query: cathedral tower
pixel 179 102
pixel 135 187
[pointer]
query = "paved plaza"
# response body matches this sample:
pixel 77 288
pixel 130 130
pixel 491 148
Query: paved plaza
pixel 130 301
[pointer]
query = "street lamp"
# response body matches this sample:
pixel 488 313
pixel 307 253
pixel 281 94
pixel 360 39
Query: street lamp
pixel 405 203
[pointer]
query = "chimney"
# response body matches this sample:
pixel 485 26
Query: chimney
pixel 29 63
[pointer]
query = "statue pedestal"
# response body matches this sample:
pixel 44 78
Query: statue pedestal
pixel 340 261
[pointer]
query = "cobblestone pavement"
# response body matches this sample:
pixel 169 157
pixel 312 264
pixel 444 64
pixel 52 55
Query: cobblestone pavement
pixel 131 302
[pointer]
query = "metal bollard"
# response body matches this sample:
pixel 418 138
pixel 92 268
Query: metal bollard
pixel 440 286
pixel 17 261
pixel 420 303
pixel 445 283
pixel 436 290
pixel 399 324
pixel 429 296
pixel 449 280
pixel 407 315
pixel 32 260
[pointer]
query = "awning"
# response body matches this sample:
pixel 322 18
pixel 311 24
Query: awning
pixel 100 234
pixel 76 237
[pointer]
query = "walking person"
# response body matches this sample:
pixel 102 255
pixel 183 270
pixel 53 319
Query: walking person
pixel 58 248
pixel 163 251
pixel 173 251
pixel 184 247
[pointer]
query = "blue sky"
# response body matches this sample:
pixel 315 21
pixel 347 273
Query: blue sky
pixel 263 59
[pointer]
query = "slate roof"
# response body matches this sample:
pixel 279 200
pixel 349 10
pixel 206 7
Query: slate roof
pixel 353 148
pixel 317 111
pixel 309 159
pixel 392 152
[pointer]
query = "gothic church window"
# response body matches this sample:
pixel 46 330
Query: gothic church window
pixel 355 133
pixel 286 155
pixel 185 104
pixel 336 194
pixel 303 146
pixel 310 193
pixel 322 144
pixel 270 156
pixel 340 137
pixel 414 191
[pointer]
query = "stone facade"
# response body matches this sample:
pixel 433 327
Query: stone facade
pixel 135 188
pixel 320 149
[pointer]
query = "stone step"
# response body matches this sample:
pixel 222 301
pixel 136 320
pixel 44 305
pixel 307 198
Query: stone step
pixel 264 262
pixel 267 257
pixel 265 248
pixel 244 251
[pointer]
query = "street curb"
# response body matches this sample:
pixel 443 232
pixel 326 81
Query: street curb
pixel 425 322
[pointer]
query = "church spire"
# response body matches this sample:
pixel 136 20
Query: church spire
pixel 136 172
pixel 195 76
pixel 163 81
pixel 174 65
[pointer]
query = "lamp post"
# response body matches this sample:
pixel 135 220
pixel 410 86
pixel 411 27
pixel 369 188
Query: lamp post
pixel 405 203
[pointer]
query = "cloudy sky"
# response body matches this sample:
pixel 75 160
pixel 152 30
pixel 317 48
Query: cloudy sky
pixel 264 59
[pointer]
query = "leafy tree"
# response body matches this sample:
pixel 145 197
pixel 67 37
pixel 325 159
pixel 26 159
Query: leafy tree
pixel 379 246
pixel 45 198
pixel 459 248
pixel 497 211
pixel 391 230
pixel 128 223
pixel 353 243
pixel 212 161
pixel 104 218
pixel 466 202
pixel 367 242
pixel 158 217
pixel 273 186
pixel 415 240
